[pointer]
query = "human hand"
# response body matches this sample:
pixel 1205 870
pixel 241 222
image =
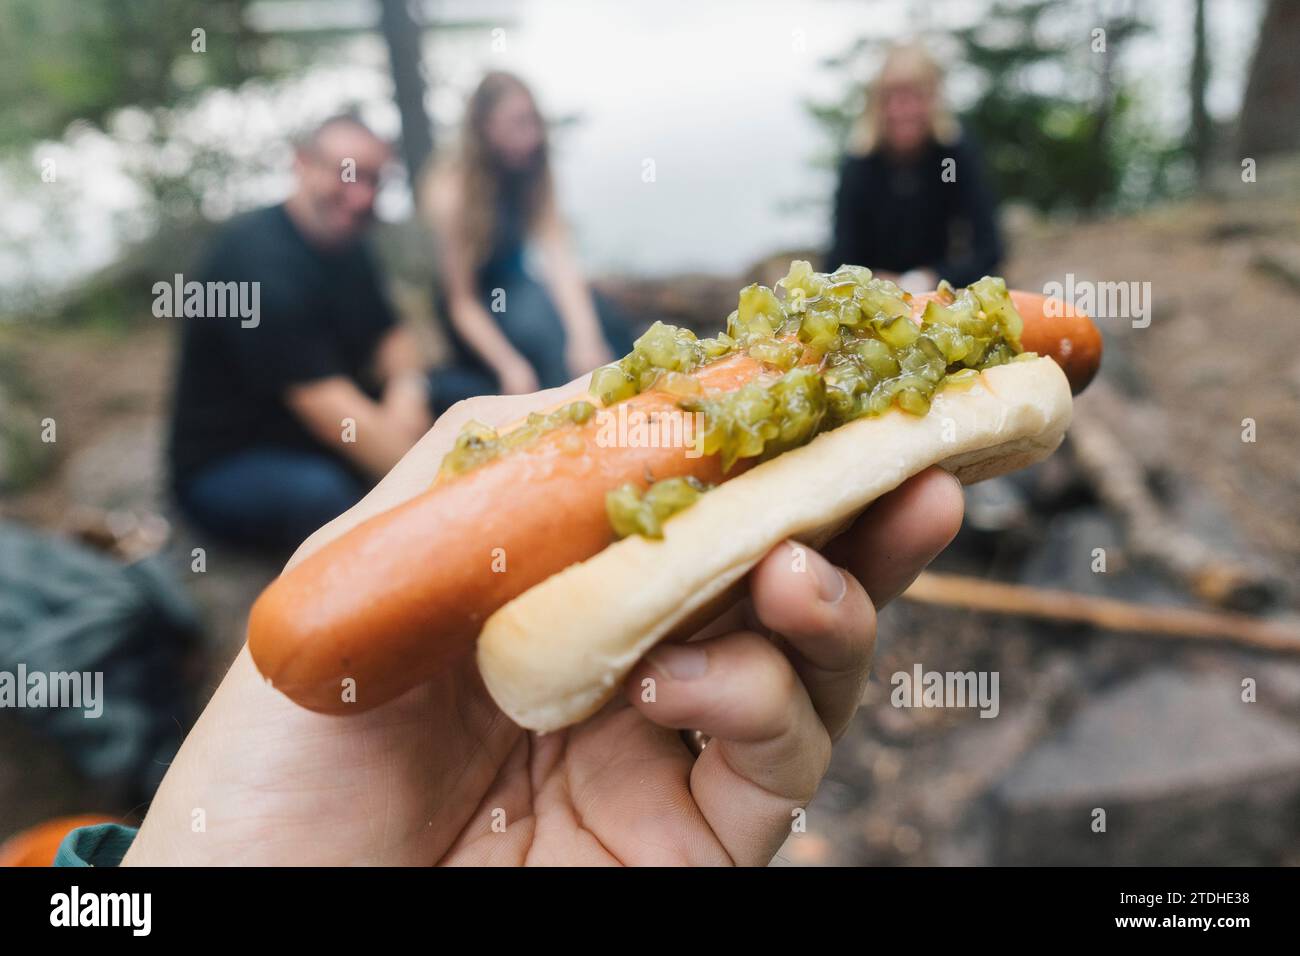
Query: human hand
pixel 440 775
pixel 406 403
pixel 516 376
pixel 918 280
pixel 584 353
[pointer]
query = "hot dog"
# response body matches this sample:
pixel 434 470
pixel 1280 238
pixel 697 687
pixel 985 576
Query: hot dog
pixel 403 595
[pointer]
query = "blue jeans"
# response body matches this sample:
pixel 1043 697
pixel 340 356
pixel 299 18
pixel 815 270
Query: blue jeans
pixel 269 497
pixel 532 324
pixel 453 383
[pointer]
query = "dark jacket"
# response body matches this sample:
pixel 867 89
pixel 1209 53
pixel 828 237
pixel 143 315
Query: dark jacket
pixel 891 217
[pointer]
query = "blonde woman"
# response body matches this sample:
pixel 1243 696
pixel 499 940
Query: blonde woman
pixel 512 331
pixel 912 201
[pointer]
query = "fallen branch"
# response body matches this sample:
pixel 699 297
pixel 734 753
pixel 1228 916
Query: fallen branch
pixel 977 594
pixel 1120 482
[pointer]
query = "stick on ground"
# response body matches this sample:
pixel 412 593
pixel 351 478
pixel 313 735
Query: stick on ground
pixel 977 594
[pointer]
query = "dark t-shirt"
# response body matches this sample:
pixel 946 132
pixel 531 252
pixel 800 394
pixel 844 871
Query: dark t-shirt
pixel 320 315
pixel 894 217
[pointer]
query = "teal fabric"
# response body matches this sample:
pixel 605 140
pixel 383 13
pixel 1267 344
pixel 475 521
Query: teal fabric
pixel 101 845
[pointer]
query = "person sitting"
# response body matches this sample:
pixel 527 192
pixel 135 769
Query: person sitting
pixel 281 423
pixel 489 206
pixel 912 203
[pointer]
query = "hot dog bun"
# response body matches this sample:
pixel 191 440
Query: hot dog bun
pixel 402 596
pixel 553 655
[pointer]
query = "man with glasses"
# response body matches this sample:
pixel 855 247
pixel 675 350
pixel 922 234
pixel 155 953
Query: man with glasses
pixel 282 423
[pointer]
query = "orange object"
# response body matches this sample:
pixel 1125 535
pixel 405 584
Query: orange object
pixel 397 599
pixel 37 845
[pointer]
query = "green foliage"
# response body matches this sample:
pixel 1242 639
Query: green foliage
pixel 65 60
pixel 1047 142
pixel 133 73
pixel 1058 127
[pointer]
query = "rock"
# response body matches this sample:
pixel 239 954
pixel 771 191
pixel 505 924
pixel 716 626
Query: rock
pixel 1278 684
pixel 1187 773
pixel 699 302
pixel 1064 559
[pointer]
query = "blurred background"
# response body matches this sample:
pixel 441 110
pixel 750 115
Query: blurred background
pixel 696 148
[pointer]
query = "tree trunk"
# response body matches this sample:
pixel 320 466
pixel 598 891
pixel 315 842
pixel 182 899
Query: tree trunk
pixel 402 34
pixel 1199 134
pixel 1270 112
pixel 1098 181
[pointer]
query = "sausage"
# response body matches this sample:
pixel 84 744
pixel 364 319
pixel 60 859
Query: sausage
pixel 1066 335
pixel 402 596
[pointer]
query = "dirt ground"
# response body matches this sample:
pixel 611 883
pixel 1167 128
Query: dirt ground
pixel 1223 345
pixel 914 786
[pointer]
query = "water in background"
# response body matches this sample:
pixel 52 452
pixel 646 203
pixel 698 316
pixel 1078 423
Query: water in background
pixel 689 146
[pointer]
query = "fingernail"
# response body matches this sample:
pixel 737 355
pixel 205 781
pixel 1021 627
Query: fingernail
pixel 680 661
pixel 830 582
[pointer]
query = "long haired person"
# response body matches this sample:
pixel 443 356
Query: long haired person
pixel 514 326
pixel 913 203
